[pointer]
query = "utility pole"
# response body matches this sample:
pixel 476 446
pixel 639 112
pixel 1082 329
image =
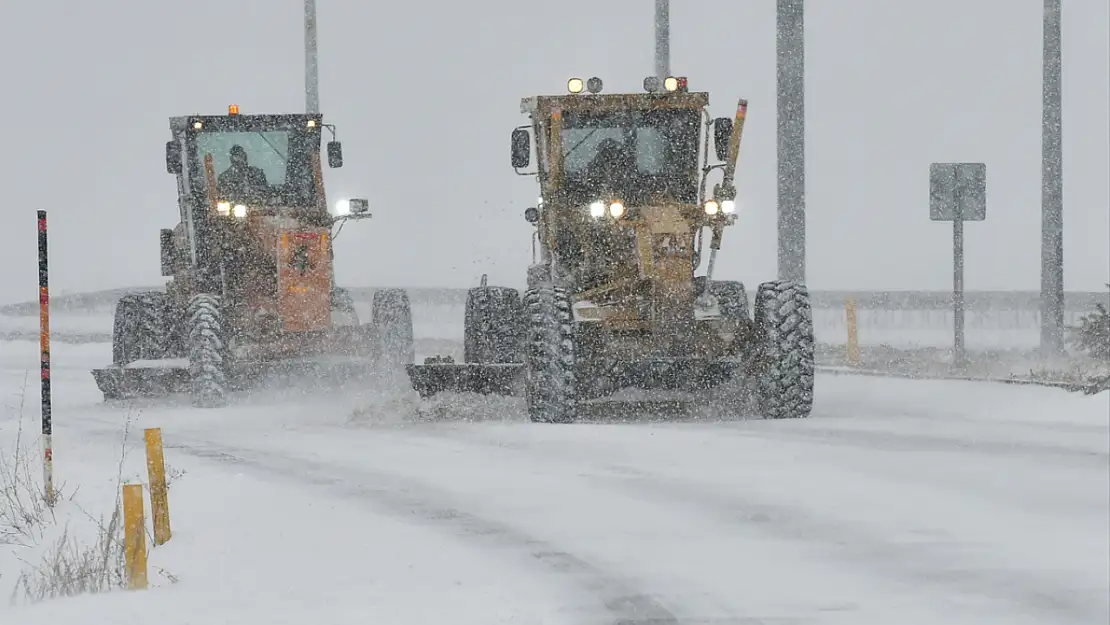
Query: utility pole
pixel 790 47
pixel 1052 186
pixel 311 67
pixel 662 38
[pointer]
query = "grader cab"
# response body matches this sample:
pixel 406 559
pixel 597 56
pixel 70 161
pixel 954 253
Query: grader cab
pixel 252 288
pixel 612 299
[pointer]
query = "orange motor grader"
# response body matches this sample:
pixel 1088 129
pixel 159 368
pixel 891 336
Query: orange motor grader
pixel 252 291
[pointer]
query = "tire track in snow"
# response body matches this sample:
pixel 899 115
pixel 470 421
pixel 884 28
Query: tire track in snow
pixel 935 563
pixel 919 441
pixel 623 604
pixel 397 497
pixel 939 564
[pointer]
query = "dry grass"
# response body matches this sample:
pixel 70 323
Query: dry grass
pixel 24 513
pixel 70 567
pixel 56 560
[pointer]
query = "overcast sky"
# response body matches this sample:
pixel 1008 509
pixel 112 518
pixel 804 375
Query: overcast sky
pixel 425 95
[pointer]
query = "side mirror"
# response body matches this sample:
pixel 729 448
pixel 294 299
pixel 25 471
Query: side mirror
pixel 352 207
pixel 522 148
pixel 722 135
pixel 335 154
pixel 531 214
pixel 168 252
pixel 173 157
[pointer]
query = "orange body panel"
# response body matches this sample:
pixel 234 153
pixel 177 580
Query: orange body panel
pixel 304 280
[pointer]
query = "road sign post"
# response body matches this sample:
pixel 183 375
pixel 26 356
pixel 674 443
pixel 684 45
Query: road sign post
pixel 958 193
pixel 44 364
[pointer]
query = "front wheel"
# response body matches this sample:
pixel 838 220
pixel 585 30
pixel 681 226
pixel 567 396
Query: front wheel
pixel 550 383
pixel 785 363
pixel 207 364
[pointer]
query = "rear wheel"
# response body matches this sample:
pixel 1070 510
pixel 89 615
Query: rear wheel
pixel 139 328
pixel 550 386
pixel 492 325
pixel 343 307
pixel 207 354
pixel 785 364
pixel 392 314
pixel 730 294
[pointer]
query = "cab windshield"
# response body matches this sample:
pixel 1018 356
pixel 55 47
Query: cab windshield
pixel 261 167
pixel 637 155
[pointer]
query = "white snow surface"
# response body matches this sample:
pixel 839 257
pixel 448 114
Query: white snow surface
pixel 897 502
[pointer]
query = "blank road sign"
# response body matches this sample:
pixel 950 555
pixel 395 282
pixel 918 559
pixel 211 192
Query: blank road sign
pixel 958 191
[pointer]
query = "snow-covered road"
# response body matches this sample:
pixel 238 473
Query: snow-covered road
pixel 901 502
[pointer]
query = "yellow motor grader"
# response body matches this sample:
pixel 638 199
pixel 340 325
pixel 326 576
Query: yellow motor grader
pixel 612 299
pixel 252 293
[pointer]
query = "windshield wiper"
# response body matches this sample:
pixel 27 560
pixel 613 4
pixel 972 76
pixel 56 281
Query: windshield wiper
pixel 579 144
pixel 274 148
pixel 626 126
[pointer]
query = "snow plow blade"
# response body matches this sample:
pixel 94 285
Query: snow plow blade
pixel 120 382
pixel 157 381
pixel 429 379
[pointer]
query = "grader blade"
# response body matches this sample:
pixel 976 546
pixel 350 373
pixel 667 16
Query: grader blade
pixel 486 379
pixel 123 382
pixel 327 372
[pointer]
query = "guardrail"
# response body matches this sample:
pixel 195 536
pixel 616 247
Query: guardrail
pixel 1075 302
pixel 1091 386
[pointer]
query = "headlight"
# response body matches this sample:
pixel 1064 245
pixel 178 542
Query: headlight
pixel 616 209
pixel 239 211
pixel 728 207
pixel 223 208
pixel 711 207
pixel 597 209
pixel 343 207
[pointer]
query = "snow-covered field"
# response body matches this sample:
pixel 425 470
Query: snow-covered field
pixel 906 502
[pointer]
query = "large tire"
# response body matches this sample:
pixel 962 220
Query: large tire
pixel 784 321
pixel 343 305
pixel 731 297
pixel 206 343
pixel 139 329
pixel 551 385
pixel 492 326
pixel 341 300
pixel 392 315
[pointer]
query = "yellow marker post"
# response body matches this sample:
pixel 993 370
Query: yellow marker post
pixel 134 536
pixel 853 331
pixel 159 495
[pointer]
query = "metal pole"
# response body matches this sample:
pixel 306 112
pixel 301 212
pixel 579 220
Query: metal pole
pixel 44 364
pixel 958 354
pixel 662 38
pixel 1052 186
pixel 790 44
pixel 311 67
